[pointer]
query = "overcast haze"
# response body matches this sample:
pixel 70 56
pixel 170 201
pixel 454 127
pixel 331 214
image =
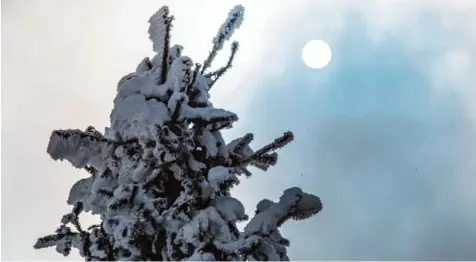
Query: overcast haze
pixel 385 134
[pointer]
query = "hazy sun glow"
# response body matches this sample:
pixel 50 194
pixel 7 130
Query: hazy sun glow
pixel 316 54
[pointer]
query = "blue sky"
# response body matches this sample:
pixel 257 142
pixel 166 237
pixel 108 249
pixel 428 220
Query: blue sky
pixel 386 153
pixel 385 134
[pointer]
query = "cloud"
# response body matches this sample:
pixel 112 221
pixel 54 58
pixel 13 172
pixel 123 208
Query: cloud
pixel 391 188
pixel 387 143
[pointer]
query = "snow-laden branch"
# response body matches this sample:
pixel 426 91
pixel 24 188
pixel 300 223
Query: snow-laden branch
pixel 279 142
pixel 78 147
pixel 64 240
pixel 174 53
pixel 160 175
pixel 269 216
pixel 221 178
pixel 144 66
pixel 159 28
pixel 220 72
pixel 135 116
pixel 233 22
pixel 242 155
pixel 207 116
pixel 293 203
pixel 241 245
pixel 159 34
pixel 231 209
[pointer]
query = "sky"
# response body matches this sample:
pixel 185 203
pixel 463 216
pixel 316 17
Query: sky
pixel 385 134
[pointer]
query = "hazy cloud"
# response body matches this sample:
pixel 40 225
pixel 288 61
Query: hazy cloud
pixel 390 152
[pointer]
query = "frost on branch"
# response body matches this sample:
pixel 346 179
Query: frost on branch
pixel 161 174
pixel 79 148
pixel 233 22
pixel 293 204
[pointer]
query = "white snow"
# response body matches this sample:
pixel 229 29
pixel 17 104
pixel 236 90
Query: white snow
pixel 263 205
pixel 231 209
pixel 218 175
pixel 195 165
pixel 80 190
pixel 245 150
pixel 175 99
pixel 77 148
pixel 206 114
pixel 181 73
pixel 174 52
pixel 292 203
pixel 202 86
pixel 157 28
pixel 143 66
pixel 135 116
pixel 239 244
pixel 124 79
pixel 137 85
pixel 222 149
pixel 208 140
pixel 201 256
pixel 233 22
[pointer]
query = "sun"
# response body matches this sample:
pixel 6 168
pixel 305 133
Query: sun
pixel 316 54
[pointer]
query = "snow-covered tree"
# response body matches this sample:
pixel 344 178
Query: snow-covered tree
pixel 160 175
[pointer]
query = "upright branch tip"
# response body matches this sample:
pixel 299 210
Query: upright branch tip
pixel 220 72
pixel 233 22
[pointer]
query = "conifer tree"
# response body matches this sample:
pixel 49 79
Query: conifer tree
pixel 160 175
